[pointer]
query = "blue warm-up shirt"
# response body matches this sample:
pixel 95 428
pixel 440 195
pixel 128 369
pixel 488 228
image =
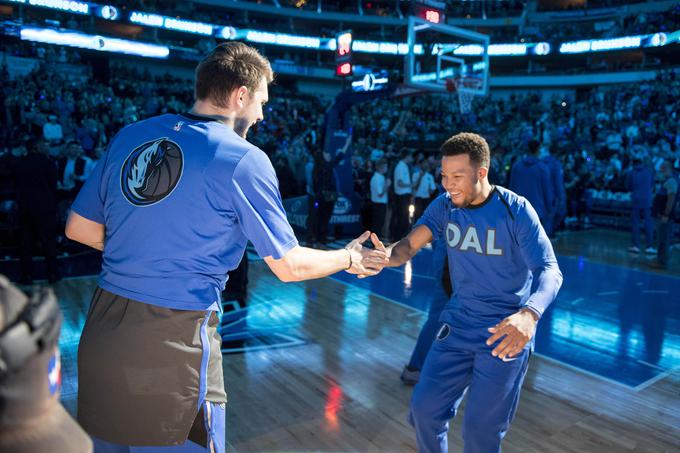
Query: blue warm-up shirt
pixel 500 258
pixel 180 196
pixel 640 181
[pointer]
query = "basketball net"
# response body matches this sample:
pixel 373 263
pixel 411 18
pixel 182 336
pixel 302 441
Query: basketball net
pixel 466 88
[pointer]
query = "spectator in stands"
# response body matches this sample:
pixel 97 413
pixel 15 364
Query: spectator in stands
pixel 379 197
pixel 35 179
pixel 88 135
pixel 423 187
pixel 530 178
pixel 325 190
pixel 73 171
pixel 640 182
pixel 559 207
pixel 52 131
pixel 665 204
pixel 403 190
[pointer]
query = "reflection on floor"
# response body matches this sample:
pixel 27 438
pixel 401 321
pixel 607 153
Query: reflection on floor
pixel 615 322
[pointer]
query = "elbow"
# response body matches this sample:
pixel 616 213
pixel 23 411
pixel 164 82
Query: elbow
pixel 287 277
pixel 287 273
pixel 70 232
pixel 559 278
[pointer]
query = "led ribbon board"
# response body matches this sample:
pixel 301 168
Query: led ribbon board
pixel 93 42
pixel 70 6
pixel 171 23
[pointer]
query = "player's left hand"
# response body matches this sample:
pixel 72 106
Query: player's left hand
pixel 517 329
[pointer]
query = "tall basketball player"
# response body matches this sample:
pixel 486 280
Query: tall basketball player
pixel 504 275
pixel 172 206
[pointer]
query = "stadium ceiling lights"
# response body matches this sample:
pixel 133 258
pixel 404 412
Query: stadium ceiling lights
pixel 93 42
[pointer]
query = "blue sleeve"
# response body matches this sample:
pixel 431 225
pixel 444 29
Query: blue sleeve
pixel 90 200
pixel 539 257
pixel 258 205
pixel 435 216
pixel 439 256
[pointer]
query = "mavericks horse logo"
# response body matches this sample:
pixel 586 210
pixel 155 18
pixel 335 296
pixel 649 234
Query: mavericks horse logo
pixel 151 172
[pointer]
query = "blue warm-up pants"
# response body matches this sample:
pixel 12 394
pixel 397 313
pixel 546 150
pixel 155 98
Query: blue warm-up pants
pixel 460 360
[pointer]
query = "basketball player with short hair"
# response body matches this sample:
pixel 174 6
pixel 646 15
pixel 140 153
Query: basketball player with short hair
pixel 504 275
pixel 172 205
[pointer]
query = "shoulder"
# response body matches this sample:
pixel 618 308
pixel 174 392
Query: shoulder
pixel 442 202
pixel 251 158
pixel 514 202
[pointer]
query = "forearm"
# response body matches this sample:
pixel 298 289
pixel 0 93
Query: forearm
pixel 548 282
pixel 400 252
pixel 304 263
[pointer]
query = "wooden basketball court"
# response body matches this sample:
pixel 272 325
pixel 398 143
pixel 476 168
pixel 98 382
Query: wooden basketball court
pixel 334 387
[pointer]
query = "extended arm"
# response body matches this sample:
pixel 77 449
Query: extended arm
pixel 302 263
pixel 405 249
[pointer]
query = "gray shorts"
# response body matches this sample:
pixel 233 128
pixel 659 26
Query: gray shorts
pixel 145 370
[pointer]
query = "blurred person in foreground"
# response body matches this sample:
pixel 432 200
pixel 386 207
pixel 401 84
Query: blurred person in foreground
pixel 31 417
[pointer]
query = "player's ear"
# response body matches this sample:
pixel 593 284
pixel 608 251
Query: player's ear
pixel 238 96
pixel 482 172
pixel 243 94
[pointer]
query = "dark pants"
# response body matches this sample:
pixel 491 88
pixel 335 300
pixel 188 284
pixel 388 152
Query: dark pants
pixel 42 226
pixel 320 213
pixel 325 214
pixel 665 233
pixel 420 206
pixel 401 222
pixel 378 214
pixel 312 214
pixel 646 213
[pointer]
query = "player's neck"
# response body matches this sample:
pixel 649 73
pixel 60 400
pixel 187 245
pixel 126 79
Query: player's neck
pixel 208 110
pixel 484 193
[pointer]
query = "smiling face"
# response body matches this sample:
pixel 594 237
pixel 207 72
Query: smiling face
pixel 251 111
pixel 462 179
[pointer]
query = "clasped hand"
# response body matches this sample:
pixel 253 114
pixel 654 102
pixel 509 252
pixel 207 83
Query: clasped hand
pixel 367 262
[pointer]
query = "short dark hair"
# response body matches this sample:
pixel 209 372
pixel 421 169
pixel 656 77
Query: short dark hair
pixel 534 146
pixel 471 144
pixel 229 66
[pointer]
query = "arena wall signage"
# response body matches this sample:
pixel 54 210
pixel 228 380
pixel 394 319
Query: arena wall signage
pixel 310 42
pixel 171 23
pixel 61 5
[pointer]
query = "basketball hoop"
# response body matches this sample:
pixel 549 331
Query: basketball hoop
pixel 467 88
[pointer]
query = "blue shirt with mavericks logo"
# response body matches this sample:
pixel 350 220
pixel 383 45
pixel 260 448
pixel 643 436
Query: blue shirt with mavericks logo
pixel 180 196
pixel 500 258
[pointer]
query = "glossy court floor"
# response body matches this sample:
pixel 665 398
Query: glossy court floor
pixel 314 366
